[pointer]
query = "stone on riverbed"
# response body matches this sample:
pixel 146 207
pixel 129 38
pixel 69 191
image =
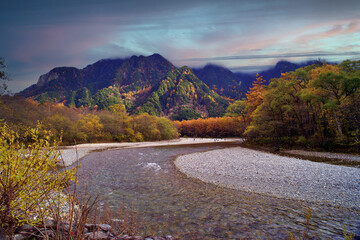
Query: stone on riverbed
pixel 91 232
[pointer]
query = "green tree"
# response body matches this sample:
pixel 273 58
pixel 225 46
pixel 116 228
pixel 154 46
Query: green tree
pixel 167 128
pixel 106 97
pixel 331 88
pixel 237 109
pixel 83 98
pixel 319 103
pixel 185 113
pixel 28 176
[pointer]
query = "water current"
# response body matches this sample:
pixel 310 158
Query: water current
pixel 170 203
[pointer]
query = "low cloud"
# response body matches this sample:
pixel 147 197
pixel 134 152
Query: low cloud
pixel 285 55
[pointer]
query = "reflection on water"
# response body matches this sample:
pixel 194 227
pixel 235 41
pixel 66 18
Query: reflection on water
pixel 170 203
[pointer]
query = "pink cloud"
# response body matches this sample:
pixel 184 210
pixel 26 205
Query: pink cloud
pixel 340 28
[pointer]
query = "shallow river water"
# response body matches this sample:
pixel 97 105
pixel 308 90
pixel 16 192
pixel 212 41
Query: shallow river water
pixel 168 202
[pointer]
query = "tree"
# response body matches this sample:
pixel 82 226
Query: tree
pixel 237 109
pixel 106 97
pixel 90 127
pixel 255 95
pixel 4 78
pixel 28 176
pixel 167 128
pixel 147 126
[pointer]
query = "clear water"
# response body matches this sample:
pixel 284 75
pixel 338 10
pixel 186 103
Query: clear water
pixel 168 202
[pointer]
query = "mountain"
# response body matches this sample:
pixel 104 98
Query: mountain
pixel 181 93
pixel 234 85
pixel 282 67
pixel 62 80
pixel 149 84
pixel 221 80
pixel 76 86
pixel 143 84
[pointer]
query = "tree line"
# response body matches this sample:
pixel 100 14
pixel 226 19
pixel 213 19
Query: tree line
pixel 80 125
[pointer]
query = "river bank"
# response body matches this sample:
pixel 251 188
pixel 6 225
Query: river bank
pixel 280 176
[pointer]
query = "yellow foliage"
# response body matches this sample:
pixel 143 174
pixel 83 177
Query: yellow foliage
pixel 91 127
pixel 28 176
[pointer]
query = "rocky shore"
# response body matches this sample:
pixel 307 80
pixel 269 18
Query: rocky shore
pixel 51 230
pixel 280 176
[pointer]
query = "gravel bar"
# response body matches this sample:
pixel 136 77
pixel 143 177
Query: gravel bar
pixel 284 177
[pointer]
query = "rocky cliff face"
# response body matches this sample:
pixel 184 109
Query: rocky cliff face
pixel 46 78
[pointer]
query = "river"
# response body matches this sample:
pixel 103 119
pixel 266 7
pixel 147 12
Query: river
pixel 169 203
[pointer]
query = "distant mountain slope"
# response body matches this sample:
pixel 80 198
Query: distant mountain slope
pixel 286 66
pixel 235 85
pixel 182 91
pixel 281 67
pixel 221 80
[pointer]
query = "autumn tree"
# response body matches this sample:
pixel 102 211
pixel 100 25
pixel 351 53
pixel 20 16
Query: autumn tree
pixel 211 127
pixel 255 95
pixel 90 128
pixel 147 126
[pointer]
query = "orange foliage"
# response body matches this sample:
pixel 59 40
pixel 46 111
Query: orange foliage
pixel 211 127
pixel 255 95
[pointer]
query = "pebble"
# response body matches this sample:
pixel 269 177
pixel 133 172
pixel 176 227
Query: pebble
pixel 279 176
pixel 92 232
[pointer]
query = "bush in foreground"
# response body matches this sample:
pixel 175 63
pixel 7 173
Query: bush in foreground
pixel 28 176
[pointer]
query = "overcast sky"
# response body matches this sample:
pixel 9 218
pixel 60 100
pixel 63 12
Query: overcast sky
pixel 37 36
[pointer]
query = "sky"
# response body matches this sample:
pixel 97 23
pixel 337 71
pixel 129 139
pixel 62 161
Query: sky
pixel 39 35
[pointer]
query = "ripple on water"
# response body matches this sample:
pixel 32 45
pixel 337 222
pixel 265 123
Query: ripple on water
pixel 150 165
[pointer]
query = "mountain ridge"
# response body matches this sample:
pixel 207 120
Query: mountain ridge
pixel 135 82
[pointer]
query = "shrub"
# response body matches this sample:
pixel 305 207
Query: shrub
pixel 28 176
